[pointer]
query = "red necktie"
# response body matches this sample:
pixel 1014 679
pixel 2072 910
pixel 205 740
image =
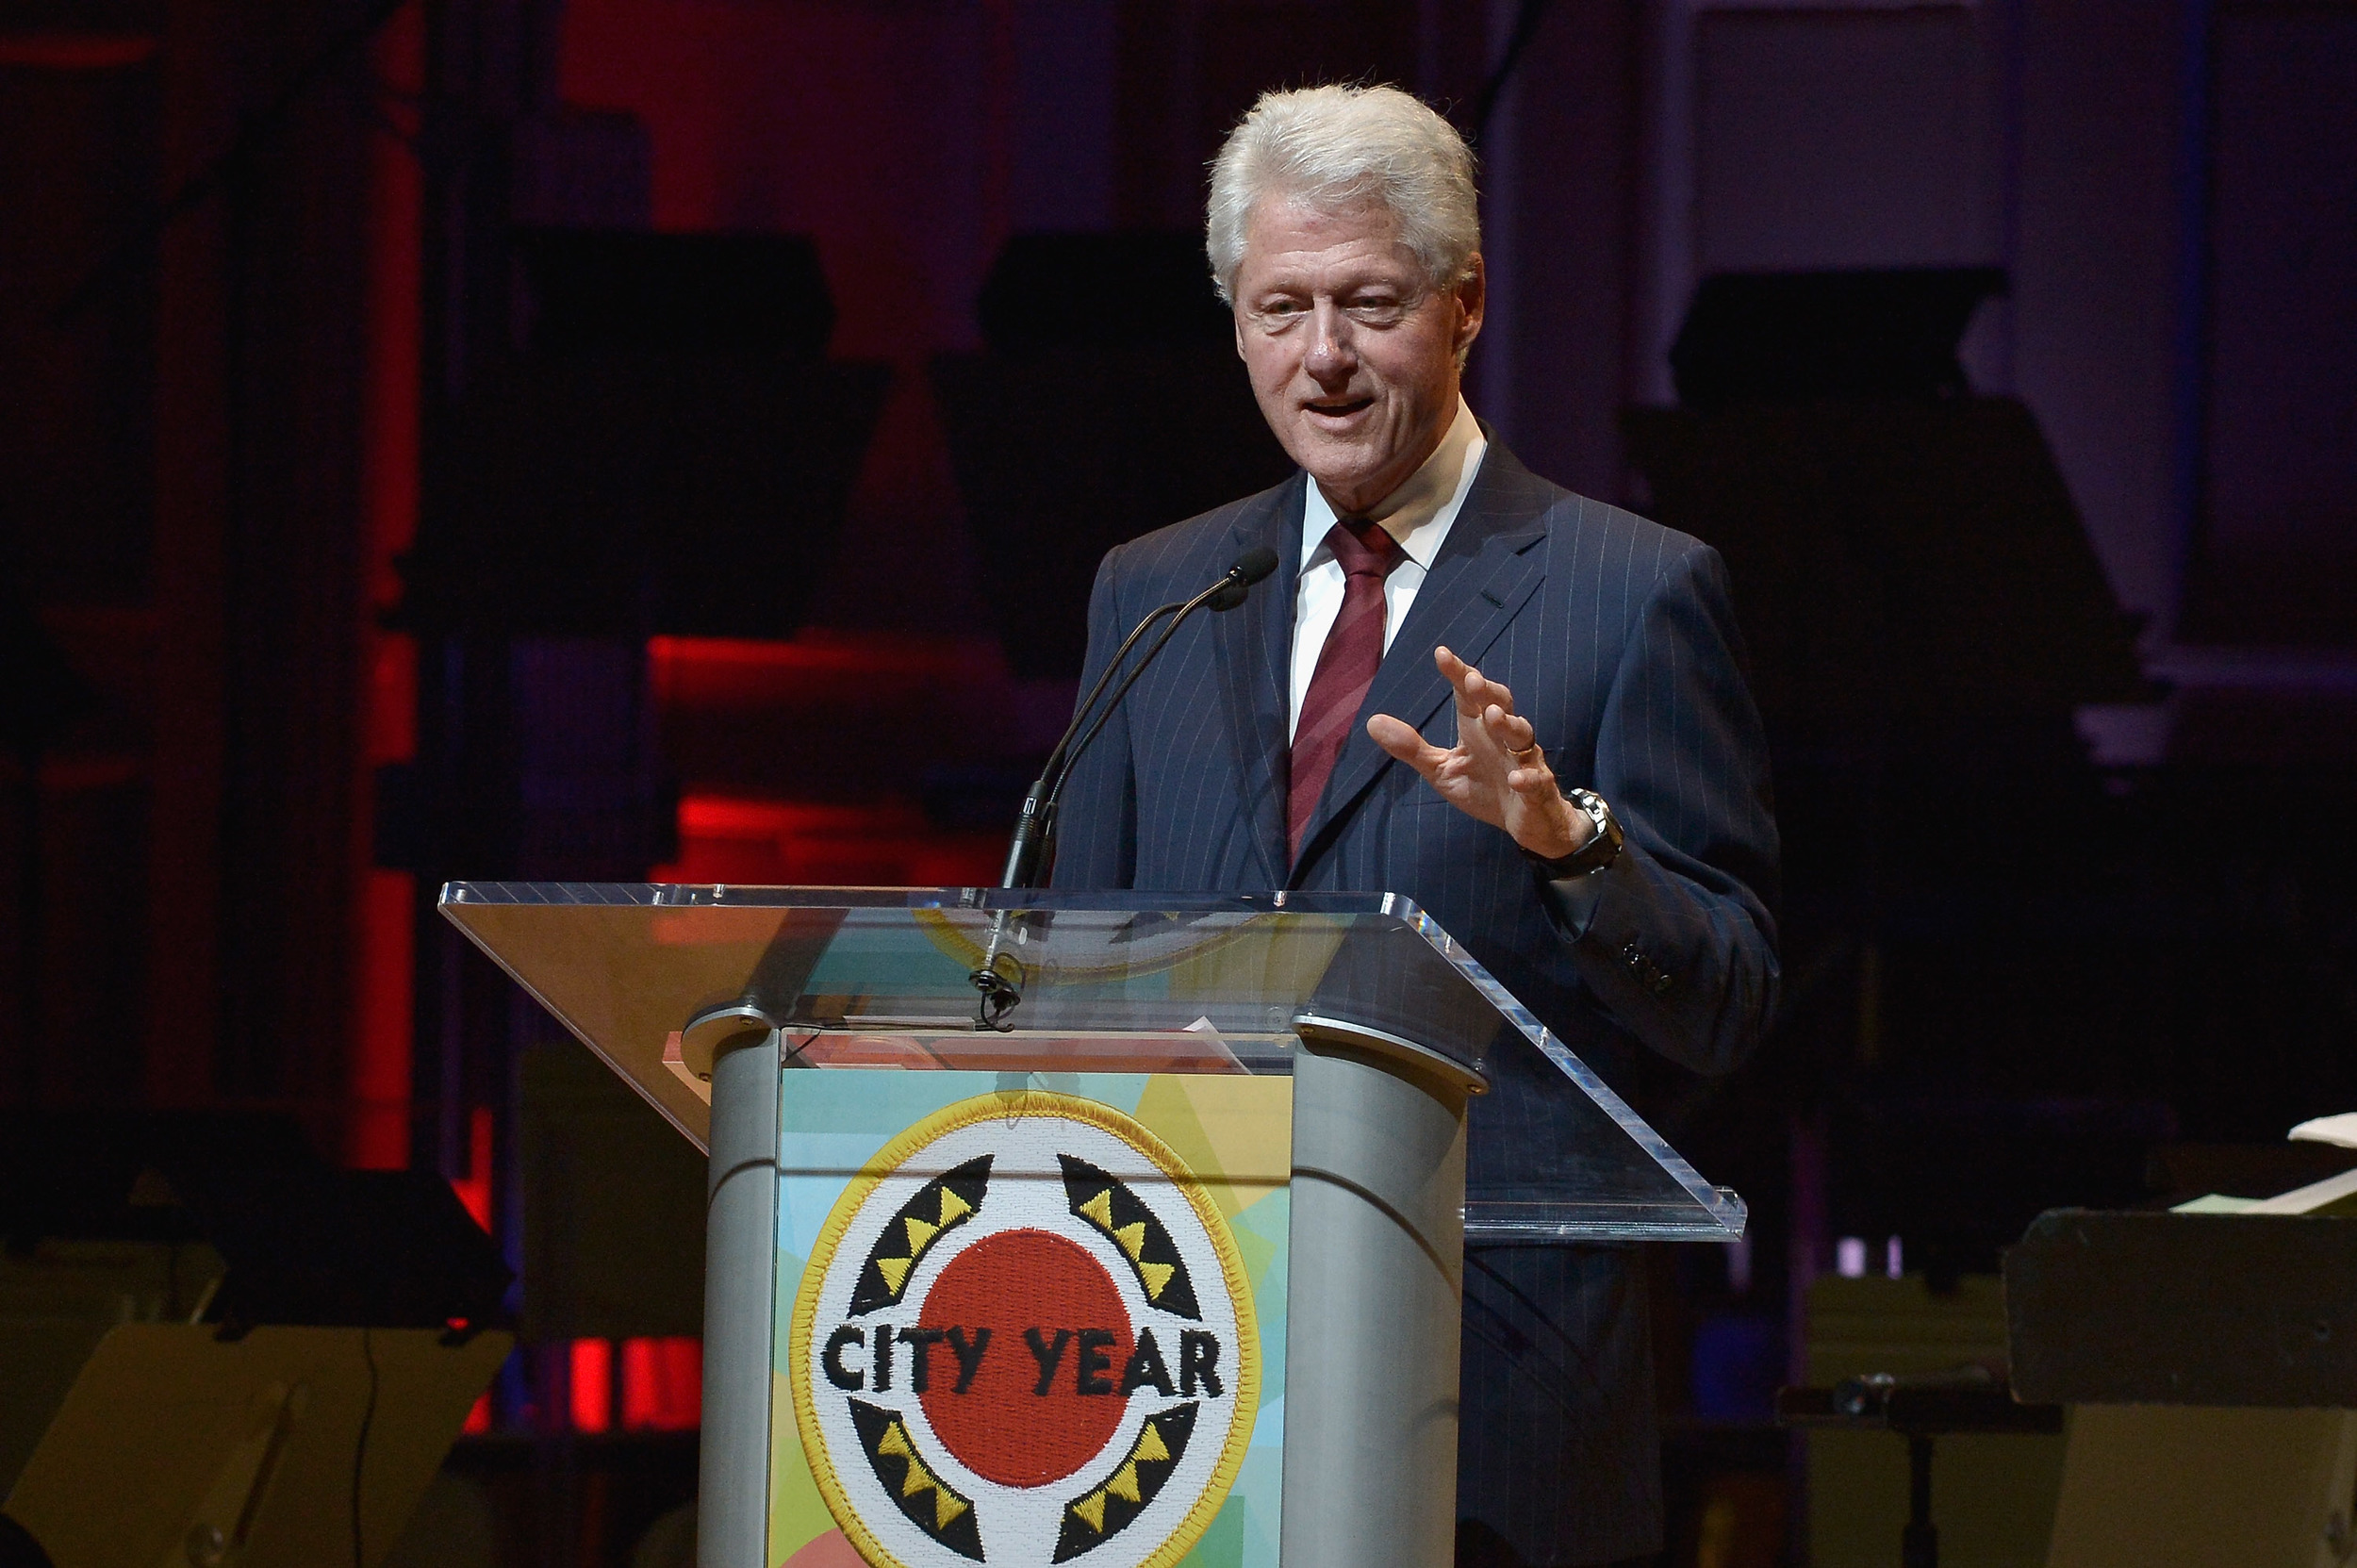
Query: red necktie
pixel 1346 666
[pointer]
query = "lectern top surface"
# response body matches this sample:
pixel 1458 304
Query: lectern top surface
pixel 655 979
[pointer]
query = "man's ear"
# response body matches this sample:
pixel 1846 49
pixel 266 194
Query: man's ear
pixel 1472 296
pixel 1235 318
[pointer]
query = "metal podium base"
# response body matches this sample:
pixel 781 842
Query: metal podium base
pixel 740 1316
pixel 1376 1269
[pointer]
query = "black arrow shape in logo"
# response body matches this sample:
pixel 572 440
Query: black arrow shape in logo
pixel 1105 1509
pixel 923 1495
pixel 1106 1202
pixel 950 1198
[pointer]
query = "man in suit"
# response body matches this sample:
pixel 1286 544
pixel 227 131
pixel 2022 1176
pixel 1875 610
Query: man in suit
pixel 1518 707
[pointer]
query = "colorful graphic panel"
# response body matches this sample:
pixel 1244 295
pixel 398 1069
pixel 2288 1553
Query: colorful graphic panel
pixel 1030 1320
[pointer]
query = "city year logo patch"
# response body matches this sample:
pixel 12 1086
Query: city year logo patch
pixel 1025 1335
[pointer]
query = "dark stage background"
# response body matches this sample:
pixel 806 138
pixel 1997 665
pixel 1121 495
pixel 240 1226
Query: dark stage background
pixel 615 438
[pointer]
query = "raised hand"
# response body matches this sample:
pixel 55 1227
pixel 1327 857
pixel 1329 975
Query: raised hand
pixel 1496 772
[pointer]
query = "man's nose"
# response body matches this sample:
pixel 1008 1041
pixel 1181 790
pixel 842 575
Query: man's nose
pixel 1331 355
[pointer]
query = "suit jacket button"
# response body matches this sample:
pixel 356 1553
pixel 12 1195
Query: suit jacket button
pixel 1660 987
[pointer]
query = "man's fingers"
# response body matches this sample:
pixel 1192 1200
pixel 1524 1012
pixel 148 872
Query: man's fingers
pixel 1534 781
pixel 1528 774
pixel 1508 731
pixel 1464 681
pixel 1402 741
pixel 1474 690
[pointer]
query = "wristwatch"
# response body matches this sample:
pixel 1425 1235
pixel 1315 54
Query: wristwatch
pixel 1601 848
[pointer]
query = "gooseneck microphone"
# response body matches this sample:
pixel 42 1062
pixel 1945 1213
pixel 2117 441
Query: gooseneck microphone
pixel 1030 850
pixel 1035 828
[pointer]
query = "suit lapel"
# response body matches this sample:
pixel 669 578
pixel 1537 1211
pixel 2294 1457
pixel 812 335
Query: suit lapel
pixel 1485 571
pixel 1255 646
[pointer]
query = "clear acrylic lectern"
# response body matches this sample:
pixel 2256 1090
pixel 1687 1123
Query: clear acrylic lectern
pixel 1164 1270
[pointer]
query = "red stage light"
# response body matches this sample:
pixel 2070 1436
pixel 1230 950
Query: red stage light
pixel 592 1385
pixel 474 1188
pixel 663 1384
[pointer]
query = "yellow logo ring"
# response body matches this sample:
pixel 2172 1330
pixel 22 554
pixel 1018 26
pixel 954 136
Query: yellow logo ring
pixel 1009 1106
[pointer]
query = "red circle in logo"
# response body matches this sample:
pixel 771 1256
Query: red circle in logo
pixel 1003 1427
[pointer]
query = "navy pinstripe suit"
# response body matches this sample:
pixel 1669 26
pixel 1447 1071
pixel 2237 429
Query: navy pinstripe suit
pixel 1617 639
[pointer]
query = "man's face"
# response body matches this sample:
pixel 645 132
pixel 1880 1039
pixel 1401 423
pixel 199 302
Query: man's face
pixel 1352 357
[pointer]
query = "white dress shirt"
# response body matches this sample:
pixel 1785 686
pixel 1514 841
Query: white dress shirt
pixel 1417 516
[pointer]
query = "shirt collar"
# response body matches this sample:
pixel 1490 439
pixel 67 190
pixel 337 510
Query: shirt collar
pixel 1417 515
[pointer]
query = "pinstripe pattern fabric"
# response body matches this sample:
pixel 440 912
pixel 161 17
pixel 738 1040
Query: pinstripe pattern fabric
pixel 1617 639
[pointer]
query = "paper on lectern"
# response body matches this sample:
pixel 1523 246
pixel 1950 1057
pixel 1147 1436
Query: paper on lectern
pixel 2341 1129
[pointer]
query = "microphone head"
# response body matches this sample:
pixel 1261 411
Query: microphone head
pixel 1254 564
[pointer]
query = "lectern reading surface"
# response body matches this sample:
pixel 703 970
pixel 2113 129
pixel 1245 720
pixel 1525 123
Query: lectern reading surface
pixel 1119 981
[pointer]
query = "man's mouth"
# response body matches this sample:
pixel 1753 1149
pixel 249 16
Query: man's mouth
pixel 1338 408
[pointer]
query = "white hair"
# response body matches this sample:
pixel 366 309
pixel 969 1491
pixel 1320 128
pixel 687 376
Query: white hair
pixel 1338 147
